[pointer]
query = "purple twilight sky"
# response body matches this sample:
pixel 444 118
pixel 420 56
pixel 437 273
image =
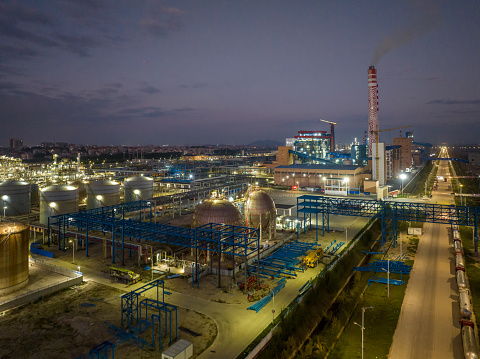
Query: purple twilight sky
pixel 233 72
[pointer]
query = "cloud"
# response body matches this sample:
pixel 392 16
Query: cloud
pixel 12 16
pixel 9 52
pixel 83 12
pixel 78 44
pixel 199 85
pixel 150 89
pixel 160 21
pixel 427 17
pixel 116 85
pixel 454 102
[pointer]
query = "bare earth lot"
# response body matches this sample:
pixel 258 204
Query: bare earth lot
pixel 58 326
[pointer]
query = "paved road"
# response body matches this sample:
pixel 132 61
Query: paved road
pixel 428 326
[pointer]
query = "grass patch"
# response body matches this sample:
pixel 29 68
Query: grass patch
pixel 412 244
pixel 379 323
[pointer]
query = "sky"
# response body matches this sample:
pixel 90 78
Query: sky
pixel 122 72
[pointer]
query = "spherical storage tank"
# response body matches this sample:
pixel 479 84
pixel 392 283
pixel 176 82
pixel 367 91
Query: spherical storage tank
pixel 216 211
pixel 260 204
pixel 57 199
pixel 15 197
pixel 138 188
pixel 102 193
pixel 13 256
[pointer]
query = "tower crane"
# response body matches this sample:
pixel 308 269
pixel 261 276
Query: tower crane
pixel 376 132
pixel 332 134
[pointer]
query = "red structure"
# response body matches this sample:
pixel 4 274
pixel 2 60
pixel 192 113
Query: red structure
pixel 372 107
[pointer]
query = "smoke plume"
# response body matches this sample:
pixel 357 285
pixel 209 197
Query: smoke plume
pixel 427 16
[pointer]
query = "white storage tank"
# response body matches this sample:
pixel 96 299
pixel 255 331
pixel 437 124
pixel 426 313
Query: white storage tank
pixel 181 349
pixel 15 198
pixel 57 199
pixel 138 188
pixel 102 193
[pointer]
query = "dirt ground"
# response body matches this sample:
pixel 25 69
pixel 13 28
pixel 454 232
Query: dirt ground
pixel 70 323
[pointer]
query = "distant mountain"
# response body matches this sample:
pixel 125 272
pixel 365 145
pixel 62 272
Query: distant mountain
pixel 265 143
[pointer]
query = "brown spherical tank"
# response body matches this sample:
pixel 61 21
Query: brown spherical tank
pixel 260 205
pixel 13 256
pixel 216 211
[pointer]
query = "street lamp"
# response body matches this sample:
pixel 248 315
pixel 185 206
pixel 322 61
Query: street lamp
pixel 461 197
pixel 403 176
pixel 362 326
pixel 73 250
pixel 273 307
pixel 4 199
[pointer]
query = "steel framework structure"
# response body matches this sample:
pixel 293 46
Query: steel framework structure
pixel 237 241
pixel 388 211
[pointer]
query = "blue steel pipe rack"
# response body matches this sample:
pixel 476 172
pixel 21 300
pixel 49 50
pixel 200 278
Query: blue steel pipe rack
pixel 237 241
pixel 388 211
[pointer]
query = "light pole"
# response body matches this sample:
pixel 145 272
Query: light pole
pixel 346 179
pixel 403 176
pixel 4 199
pixel 73 250
pixel 362 326
pixel 273 307
pixel 461 197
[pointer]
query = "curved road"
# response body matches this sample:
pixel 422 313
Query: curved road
pixel 428 326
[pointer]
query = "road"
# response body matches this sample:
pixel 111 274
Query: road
pixel 428 326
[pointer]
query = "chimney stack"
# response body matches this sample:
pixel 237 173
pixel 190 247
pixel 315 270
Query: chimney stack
pixel 372 107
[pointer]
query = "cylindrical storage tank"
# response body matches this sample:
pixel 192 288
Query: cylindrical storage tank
pixel 138 188
pixel 15 197
pixel 469 342
pixel 57 199
pixel 102 193
pixel 260 205
pixel 459 263
pixel 34 195
pixel 13 256
pixel 458 247
pixel 82 189
pixel 216 211
pixel 461 280
pixel 465 304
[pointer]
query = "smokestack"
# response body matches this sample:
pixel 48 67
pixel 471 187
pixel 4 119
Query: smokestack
pixel 372 107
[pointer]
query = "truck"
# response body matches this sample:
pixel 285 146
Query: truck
pixel 128 276
pixel 312 258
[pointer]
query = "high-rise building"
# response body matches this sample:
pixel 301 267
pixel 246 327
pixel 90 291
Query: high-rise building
pixel 405 152
pixel 15 143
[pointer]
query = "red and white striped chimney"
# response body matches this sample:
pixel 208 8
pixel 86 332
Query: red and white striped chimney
pixel 372 107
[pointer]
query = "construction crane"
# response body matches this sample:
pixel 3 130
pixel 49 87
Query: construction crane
pixel 377 158
pixel 332 134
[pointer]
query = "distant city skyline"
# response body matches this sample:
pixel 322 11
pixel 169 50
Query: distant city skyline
pixel 184 72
